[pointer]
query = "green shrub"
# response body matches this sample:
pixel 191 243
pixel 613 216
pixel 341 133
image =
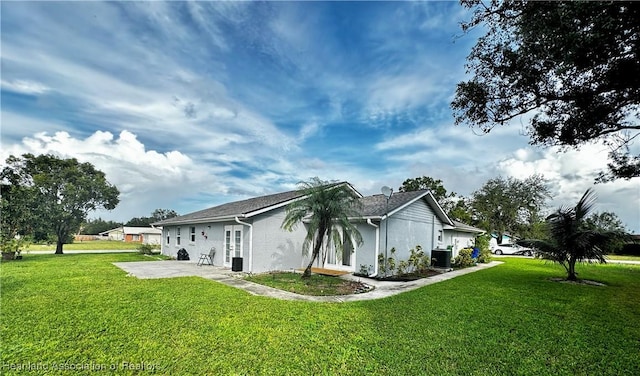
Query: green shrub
pixel 417 262
pixel 391 263
pixel 148 249
pixel 482 243
pixel 464 259
pixel 484 257
pixel 13 244
pixel 402 267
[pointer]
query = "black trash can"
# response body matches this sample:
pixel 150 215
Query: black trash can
pixel 442 258
pixel 236 264
pixel 183 255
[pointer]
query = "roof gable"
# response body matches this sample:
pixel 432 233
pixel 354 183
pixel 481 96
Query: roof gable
pixel 376 206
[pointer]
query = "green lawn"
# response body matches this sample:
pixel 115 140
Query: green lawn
pixel 86 246
pixel 80 312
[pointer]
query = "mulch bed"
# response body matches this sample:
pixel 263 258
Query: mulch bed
pixel 404 277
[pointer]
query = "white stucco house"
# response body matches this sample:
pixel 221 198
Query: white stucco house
pixel 130 234
pixel 251 229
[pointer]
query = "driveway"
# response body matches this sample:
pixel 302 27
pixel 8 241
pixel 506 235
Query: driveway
pixel 383 289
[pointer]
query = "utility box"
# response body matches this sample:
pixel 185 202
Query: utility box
pixel 236 264
pixel 442 258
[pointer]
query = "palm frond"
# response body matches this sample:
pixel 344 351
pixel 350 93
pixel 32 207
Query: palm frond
pixel 585 205
pixel 572 240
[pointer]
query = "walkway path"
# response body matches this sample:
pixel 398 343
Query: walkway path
pixel 383 289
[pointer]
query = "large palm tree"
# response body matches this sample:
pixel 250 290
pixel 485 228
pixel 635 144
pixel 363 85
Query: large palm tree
pixel 572 240
pixel 326 208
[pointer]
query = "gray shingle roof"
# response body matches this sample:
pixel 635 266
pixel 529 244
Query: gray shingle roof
pixel 238 208
pixel 234 209
pixel 376 205
pixel 372 206
pixel 465 227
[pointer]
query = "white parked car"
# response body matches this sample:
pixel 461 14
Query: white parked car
pixel 511 249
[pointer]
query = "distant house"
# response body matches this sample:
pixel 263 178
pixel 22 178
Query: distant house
pixel 250 230
pixel 145 235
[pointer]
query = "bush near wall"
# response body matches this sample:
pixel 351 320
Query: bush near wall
pixel 148 249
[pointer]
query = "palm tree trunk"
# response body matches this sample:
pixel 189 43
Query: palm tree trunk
pixel 316 250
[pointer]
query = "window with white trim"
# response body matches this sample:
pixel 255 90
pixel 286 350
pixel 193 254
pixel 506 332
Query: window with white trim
pixel 192 233
pixel 177 235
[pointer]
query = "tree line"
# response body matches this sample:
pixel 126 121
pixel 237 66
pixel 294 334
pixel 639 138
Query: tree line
pixel 47 199
pixel 505 206
pixel 566 236
pixel 94 226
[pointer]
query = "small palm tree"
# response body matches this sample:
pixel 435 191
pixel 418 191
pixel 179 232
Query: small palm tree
pixel 327 208
pixel 572 240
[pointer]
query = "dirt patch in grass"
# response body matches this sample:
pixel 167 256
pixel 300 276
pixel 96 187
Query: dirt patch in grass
pixel 578 282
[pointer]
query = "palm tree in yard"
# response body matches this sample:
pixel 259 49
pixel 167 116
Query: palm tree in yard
pixel 572 240
pixel 325 208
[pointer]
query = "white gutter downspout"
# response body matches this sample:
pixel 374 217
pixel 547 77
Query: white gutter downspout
pixel 250 241
pixel 433 232
pixel 375 274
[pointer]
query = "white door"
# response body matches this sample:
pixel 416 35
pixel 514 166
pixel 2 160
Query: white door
pixel 232 243
pixel 342 260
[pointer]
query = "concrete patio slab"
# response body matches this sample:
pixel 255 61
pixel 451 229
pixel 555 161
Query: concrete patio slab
pixel 168 269
pixel 382 289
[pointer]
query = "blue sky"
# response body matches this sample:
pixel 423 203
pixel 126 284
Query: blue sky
pixel 186 105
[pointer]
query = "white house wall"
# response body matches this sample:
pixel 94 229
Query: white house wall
pixel 415 225
pixel 116 235
pixel 278 249
pixel 366 253
pixel 207 235
pixel 273 247
pixel 459 240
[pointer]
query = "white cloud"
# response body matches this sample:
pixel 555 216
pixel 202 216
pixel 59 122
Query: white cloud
pixel 13 124
pixel 453 145
pixel 204 115
pixel 572 172
pixel 220 89
pixel 149 179
pixel 24 86
pixel 145 178
pixel 309 129
pixel 404 91
pixel 465 162
pixel 425 137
